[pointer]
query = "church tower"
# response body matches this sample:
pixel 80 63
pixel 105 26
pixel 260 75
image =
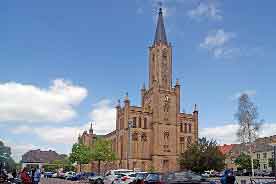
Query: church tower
pixel 160 58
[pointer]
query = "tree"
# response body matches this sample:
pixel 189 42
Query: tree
pixel 81 154
pixel 202 156
pixel 102 151
pixel 247 116
pixel 5 157
pixel 244 162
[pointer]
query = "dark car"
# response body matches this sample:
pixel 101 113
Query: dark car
pixel 186 177
pixel 139 178
pixel 48 174
pixel 80 176
pixel 153 178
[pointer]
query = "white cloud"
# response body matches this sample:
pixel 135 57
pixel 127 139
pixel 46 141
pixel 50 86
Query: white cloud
pixel 104 115
pixel 226 134
pixel 207 9
pixel 216 43
pixel 28 103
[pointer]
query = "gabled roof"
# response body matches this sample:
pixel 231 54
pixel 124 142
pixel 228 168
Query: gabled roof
pixel 226 148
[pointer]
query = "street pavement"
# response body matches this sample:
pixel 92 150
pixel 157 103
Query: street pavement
pixel 60 181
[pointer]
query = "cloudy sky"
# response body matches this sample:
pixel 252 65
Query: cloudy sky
pixel 65 63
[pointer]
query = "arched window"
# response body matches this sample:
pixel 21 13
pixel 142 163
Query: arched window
pixel 190 128
pixel 185 128
pixel 145 123
pixel 134 122
pixel 140 122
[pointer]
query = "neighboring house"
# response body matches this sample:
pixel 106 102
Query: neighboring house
pixel 231 152
pixel 228 150
pixel 38 157
pixel 264 153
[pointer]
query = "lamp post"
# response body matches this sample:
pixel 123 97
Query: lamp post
pixel 130 125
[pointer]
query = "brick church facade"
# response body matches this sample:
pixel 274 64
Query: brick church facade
pixel 153 135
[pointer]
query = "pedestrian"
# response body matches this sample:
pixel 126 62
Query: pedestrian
pixel 230 179
pixel 37 175
pixel 26 179
pixel 32 174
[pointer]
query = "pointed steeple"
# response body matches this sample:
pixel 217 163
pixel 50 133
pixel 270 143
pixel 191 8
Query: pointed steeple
pixel 91 129
pixel 160 34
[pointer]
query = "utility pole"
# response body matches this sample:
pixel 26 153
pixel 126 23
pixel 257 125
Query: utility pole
pixel 130 125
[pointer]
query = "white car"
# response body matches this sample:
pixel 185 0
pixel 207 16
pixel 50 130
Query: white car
pixel 128 177
pixel 111 175
pixel 69 174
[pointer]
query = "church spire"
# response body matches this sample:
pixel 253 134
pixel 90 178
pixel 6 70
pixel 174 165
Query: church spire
pixel 160 34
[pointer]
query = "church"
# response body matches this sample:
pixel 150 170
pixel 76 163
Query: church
pixel 153 135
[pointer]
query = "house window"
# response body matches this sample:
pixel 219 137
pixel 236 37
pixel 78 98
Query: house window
pixel 185 126
pixel 265 166
pixel 165 165
pixel 264 155
pixel 182 144
pixel 145 123
pixel 134 122
pixel 181 127
pixel 140 122
pixel 189 140
pixel 258 156
pixel 190 128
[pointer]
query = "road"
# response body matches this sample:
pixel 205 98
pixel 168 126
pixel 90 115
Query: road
pixel 60 181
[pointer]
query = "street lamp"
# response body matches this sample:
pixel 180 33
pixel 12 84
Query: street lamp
pixel 130 125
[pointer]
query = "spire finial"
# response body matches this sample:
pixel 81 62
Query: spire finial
pixel 126 97
pixel 195 108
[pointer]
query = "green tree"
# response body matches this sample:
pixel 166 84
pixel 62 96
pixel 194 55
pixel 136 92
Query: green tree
pixel 102 151
pixel 81 154
pixel 244 162
pixel 201 156
pixel 5 157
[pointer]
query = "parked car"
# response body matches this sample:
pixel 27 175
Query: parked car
pixel 183 177
pixel 111 175
pixel 153 178
pixel 69 174
pixel 140 177
pixel 48 174
pixel 81 176
pixel 96 179
pixel 128 177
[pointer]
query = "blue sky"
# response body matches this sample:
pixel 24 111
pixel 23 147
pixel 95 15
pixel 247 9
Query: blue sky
pixel 64 63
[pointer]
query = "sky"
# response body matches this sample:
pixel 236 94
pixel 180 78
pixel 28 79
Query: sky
pixel 66 63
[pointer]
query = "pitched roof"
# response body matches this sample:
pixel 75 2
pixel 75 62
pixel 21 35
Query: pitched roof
pixel 226 148
pixel 160 34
